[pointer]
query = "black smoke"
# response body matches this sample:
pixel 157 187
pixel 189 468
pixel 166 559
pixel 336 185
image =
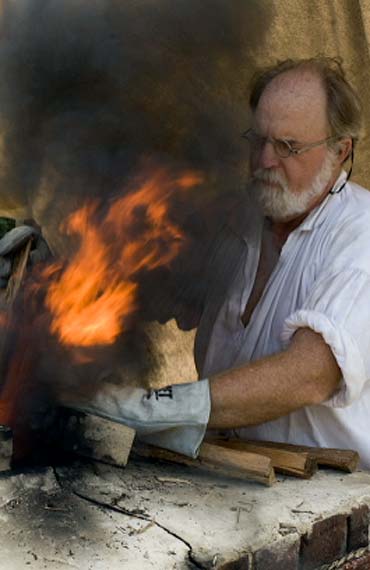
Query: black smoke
pixel 91 90
pixel 90 87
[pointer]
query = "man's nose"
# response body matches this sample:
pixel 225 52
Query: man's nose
pixel 267 156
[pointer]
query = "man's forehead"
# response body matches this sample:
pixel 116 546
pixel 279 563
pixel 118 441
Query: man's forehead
pixel 294 96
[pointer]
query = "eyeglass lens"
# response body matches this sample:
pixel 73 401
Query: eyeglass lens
pixel 257 142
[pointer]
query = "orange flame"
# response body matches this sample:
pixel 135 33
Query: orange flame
pixel 96 293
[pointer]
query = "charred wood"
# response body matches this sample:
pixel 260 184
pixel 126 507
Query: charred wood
pixel 226 462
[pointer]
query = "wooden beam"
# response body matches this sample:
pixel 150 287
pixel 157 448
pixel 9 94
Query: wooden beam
pixel 97 438
pixel 227 462
pixel 296 464
pixel 342 459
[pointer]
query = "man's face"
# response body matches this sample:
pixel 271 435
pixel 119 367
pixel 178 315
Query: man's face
pixel 293 107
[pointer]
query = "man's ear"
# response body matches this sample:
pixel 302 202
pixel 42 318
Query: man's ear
pixel 344 149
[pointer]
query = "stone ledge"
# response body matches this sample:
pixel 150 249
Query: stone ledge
pixel 152 515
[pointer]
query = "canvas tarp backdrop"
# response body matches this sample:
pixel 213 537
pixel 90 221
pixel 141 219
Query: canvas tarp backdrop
pixel 88 87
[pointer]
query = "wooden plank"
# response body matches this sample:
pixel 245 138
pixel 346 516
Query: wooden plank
pixel 342 459
pixel 95 437
pixel 296 464
pixel 255 466
pixel 227 462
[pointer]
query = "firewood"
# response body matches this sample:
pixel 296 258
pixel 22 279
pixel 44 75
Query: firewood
pixel 95 437
pixel 297 464
pixel 6 448
pixel 342 459
pixel 19 268
pixel 227 462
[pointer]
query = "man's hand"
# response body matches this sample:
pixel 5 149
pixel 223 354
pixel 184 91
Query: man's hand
pixel 174 417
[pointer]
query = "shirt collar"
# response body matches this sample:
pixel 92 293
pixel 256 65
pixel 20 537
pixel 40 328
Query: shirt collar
pixel 318 214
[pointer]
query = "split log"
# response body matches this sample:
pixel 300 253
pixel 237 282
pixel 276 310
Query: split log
pixel 227 462
pixel 95 437
pixel 343 459
pixel 6 448
pixel 289 462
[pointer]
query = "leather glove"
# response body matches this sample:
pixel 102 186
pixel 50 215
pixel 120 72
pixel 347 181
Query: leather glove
pixel 13 241
pixel 174 417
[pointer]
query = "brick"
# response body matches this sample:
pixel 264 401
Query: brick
pixel 284 556
pixel 326 543
pixel 358 528
pixel 242 563
pixel 362 563
pixel 6 447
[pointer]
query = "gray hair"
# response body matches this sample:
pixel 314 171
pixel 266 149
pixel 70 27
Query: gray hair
pixel 343 104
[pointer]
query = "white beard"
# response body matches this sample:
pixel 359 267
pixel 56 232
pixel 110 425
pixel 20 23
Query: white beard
pixel 276 198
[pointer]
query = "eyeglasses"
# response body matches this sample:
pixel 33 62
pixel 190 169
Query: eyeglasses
pixel 283 148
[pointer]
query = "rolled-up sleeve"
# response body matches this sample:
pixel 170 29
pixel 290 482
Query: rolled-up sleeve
pixel 338 308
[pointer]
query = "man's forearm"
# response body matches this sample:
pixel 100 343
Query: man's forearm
pixel 305 374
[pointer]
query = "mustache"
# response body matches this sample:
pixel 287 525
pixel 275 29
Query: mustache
pixel 269 176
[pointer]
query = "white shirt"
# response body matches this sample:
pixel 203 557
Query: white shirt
pixel 321 281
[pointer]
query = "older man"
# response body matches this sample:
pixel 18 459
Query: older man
pixel 284 342
pixel 303 321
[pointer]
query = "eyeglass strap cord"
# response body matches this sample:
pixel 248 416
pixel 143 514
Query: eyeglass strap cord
pixel 347 177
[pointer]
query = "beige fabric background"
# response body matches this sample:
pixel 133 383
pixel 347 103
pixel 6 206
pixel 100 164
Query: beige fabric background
pixel 207 79
pixel 297 28
pixel 191 92
pixel 333 28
